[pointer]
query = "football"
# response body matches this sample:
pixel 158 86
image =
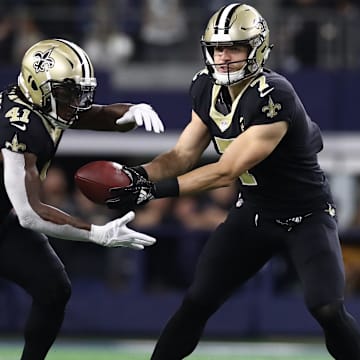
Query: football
pixel 96 178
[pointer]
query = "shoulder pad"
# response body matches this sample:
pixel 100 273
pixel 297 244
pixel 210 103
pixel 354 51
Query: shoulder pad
pixel 201 72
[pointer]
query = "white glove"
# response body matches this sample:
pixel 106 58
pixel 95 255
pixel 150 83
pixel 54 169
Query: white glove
pixel 115 233
pixel 142 114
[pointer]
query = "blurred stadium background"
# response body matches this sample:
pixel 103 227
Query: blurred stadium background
pixel 148 51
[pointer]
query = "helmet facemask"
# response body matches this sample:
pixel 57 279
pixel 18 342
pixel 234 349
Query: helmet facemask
pixel 230 76
pixel 236 25
pixel 63 100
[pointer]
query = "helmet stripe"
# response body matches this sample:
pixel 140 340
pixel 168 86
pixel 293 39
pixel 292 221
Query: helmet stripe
pixel 84 59
pixel 216 25
pixel 223 20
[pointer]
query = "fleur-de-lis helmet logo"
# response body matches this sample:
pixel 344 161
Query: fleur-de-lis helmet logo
pixel 43 60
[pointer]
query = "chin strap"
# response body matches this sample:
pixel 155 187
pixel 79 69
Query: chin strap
pixel 229 78
pixel 59 122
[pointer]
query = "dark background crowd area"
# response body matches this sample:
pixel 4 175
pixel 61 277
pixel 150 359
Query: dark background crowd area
pixel 320 33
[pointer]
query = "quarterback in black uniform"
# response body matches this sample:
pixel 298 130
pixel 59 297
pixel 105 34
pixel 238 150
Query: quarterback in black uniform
pixel 267 141
pixel 55 91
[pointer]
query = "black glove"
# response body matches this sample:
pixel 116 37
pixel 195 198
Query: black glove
pixel 139 192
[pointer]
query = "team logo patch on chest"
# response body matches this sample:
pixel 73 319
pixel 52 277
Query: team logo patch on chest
pixel 271 109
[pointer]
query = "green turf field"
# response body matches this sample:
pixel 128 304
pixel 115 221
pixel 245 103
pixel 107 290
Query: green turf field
pixel 141 350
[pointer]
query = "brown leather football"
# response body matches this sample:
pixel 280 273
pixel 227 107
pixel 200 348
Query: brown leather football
pixel 96 178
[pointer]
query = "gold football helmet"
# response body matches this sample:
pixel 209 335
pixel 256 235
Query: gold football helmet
pixel 57 77
pixel 236 24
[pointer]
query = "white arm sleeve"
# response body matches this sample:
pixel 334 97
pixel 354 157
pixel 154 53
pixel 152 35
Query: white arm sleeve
pixel 14 179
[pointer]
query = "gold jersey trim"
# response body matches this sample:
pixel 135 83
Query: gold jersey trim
pixel 222 121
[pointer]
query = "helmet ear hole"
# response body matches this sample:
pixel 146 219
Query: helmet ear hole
pixel 33 85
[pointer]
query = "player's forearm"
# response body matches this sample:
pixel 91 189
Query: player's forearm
pixel 59 217
pixel 110 113
pixel 204 178
pixel 167 165
pixel 103 117
pixel 53 222
pixel 29 219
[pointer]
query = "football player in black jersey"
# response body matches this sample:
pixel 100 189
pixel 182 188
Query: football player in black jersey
pixel 55 91
pixel 268 143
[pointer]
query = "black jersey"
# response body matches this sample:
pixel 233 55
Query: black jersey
pixel 25 130
pixel 290 179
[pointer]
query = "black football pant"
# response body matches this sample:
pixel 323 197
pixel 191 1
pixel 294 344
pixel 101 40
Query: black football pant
pixel 27 259
pixel 237 250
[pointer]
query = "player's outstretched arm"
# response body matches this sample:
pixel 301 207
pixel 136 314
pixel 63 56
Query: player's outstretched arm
pixel 119 117
pixel 23 185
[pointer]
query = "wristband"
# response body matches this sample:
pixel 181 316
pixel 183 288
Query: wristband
pixel 141 170
pixel 166 188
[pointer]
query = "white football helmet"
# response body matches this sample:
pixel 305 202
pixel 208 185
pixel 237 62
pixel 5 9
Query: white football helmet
pixel 236 24
pixel 57 73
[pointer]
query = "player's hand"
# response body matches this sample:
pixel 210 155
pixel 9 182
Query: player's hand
pixel 142 115
pixel 139 192
pixel 115 233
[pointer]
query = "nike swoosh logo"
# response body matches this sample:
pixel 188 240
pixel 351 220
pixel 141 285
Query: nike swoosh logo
pixel 262 94
pixel 21 127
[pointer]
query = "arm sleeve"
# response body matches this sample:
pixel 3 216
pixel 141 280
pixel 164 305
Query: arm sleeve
pixel 14 179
